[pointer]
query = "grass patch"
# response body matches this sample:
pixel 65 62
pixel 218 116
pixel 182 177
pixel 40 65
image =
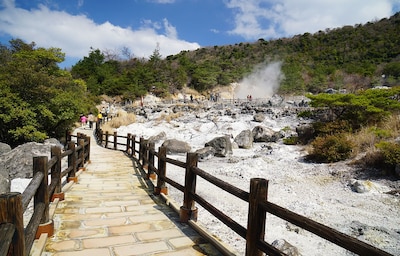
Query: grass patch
pixel 121 119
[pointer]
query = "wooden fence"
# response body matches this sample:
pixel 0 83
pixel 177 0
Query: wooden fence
pixel 16 238
pixel 256 198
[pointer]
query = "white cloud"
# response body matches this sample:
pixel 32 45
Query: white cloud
pixel 75 34
pixel 280 18
pixel 170 30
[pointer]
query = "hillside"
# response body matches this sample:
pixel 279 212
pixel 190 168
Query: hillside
pixel 351 58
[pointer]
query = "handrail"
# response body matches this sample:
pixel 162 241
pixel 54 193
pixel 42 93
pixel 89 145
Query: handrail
pixel 14 238
pixel 256 198
pixel 8 230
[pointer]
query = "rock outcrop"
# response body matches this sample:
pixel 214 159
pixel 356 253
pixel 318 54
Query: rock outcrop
pixel 265 134
pixel 244 139
pixel 222 146
pixel 175 146
pixel 18 162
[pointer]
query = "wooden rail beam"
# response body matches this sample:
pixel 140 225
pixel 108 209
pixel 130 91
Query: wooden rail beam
pixel 11 212
pixel 7 232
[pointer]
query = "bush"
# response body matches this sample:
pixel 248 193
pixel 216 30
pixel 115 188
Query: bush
pixel 122 119
pixel 330 128
pixel 331 148
pixel 305 114
pixel 292 140
pixel 390 152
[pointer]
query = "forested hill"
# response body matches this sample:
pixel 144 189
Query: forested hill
pixel 351 57
pixel 39 100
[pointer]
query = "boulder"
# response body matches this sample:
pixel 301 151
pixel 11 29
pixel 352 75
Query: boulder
pixel 53 142
pixel 361 186
pixel 264 134
pixel 158 137
pixel 285 247
pixel 259 117
pixel 18 162
pixel 305 133
pixel 244 139
pixel 176 146
pixel 4 180
pixel 222 146
pixel 4 176
pixel 205 153
pixel 4 148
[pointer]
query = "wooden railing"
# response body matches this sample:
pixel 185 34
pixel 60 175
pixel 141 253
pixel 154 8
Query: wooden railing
pixel 16 238
pixel 257 199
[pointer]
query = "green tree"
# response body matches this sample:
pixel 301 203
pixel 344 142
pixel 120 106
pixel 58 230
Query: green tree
pixel 392 69
pixel 365 108
pixel 38 99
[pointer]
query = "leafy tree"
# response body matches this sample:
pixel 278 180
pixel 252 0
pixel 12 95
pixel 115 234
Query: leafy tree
pixel 38 99
pixel 365 108
pixel 392 69
pixel 352 58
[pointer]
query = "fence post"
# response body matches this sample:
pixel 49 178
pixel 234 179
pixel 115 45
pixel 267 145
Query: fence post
pixel 87 150
pixel 106 139
pixel 150 172
pixel 115 140
pixel 56 174
pixel 42 197
pixel 11 212
pixel 141 145
pixel 81 153
pixel 42 193
pixel 189 210
pixel 128 143
pixel 133 147
pixel 72 163
pixel 143 152
pixel 257 216
pixel 101 137
pixel 67 136
pixel 162 169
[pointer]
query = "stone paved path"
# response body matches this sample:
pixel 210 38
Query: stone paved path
pixel 111 211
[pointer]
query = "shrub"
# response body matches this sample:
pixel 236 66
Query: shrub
pixel 380 133
pixel 305 114
pixel 333 127
pixel 390 152
pixel 292 140
pixel 122 119
pixel 331 148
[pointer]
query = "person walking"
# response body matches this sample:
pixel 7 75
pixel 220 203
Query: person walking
pixel 99 119
pixel 83 120
pixel 91 120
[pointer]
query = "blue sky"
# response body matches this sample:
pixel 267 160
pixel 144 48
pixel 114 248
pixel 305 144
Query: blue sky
pixel 174 25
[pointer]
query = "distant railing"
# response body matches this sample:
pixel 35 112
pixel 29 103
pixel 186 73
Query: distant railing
pixel 16 240
pixel 256 198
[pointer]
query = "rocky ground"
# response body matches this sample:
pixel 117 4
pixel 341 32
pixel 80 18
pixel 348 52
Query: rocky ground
pixel 332 194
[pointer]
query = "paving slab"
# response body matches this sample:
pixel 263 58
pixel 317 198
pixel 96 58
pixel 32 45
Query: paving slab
pixel 112 211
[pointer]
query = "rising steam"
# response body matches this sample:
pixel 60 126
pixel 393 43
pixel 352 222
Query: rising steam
pixel 263 82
